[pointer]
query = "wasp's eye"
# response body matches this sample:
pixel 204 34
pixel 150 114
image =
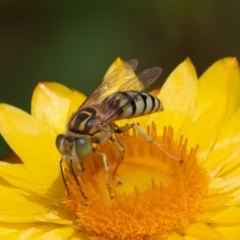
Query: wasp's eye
pixel 83 147
pixel 59 143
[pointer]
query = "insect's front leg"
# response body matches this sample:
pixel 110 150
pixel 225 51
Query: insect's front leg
pixel 62 173
pixel 80 170
pixel 107 170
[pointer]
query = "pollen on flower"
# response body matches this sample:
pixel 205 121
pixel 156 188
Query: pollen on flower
pixel 158 195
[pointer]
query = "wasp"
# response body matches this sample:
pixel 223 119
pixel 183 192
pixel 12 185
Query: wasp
pixel 119 96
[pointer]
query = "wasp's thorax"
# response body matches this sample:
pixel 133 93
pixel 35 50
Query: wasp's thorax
pixel 87 122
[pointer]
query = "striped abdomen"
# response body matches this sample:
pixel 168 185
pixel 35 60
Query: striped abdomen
pixel 143 104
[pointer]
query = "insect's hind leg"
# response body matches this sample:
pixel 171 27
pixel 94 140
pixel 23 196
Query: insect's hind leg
pixel 120 158
pixel 148 138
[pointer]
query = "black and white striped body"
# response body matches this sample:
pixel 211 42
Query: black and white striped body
pixel 93 122
pixel 143 104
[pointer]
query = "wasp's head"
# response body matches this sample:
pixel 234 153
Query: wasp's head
pixel 78 147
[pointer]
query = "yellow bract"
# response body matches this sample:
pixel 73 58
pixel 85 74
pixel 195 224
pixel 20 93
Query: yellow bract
pixel 46 101
pixel 221 78
pixel 178 95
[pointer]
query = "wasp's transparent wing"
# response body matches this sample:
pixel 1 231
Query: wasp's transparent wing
pixel 112 82
pixel 137 84
pixel 120 80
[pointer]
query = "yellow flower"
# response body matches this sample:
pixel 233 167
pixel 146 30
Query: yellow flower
pixel 159 197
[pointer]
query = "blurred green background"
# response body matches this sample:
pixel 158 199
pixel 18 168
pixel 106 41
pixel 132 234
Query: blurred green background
pixel 74 42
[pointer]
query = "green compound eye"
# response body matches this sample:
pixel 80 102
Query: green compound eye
pixel 59 142
pixel 83 147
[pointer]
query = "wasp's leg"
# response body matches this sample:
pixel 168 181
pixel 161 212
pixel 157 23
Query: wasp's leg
pixel 63 177
pixel 148 138
pixel 74 175
pixel 122 129
pixel 107 170
pixel 120 158
pixel 79 167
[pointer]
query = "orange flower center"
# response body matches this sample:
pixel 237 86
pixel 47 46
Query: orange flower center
pixel 158 194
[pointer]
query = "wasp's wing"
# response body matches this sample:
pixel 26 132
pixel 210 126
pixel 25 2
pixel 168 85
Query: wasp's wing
pixel 118 101
pixel 121 79
pixel 112 82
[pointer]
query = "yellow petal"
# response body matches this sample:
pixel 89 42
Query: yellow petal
pixel 32 141
pixel 50 104
pixel 175 236
pixel 226 150
pixel 17 230
pixel 212 205
pixel 186 237
pixel 37 231
pixel 225 184
pixel 229 216
pixel 205 130
pixel 223 76
pixel 178 95
pixel 18 176
pixel 17 206
pixel 235 198
pixel 202 231
pixel 61 233
pixel 229 232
